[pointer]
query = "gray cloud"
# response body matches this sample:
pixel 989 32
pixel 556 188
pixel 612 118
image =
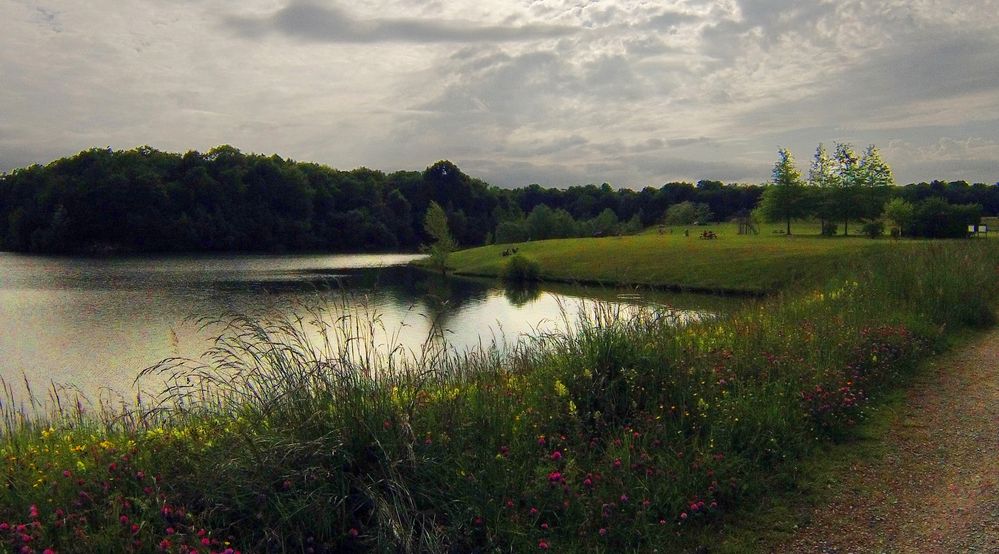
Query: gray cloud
pixel 309 21
pixel 554 91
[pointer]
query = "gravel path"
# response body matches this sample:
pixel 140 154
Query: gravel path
pixel 937 488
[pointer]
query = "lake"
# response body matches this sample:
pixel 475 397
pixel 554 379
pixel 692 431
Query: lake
pixel 94 323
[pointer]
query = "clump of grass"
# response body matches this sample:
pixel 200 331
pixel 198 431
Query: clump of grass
pixel 520 269
pixel 625 430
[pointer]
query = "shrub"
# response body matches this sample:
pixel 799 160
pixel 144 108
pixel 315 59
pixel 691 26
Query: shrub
pixel 874 229
pixel 521 269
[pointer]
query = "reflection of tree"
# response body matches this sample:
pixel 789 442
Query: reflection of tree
pixel 445 296
pixel 521 293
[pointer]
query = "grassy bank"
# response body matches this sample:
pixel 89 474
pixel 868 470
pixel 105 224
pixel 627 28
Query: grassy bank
pixel 730 263
pixel 629 433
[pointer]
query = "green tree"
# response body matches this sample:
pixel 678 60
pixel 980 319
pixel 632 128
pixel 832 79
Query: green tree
pixel 823 182
pixel 784 199
pixel 874 171
pixel 687 213
pixel 847 195
pixel 435 224
pixel 900 213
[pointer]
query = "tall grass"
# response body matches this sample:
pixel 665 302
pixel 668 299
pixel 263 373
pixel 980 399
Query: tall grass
pixel 624 431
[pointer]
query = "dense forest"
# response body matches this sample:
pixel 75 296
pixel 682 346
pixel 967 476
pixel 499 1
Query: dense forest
pixel 145 200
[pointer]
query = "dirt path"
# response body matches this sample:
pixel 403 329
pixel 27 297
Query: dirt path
pixel 937 488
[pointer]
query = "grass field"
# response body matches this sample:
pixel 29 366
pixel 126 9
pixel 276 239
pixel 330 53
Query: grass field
pixel 730 263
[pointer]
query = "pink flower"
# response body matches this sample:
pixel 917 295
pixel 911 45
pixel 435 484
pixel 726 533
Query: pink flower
pixel 353 533
pixel 533 511
pixel 554 477
pixel 33 512
pixel 603 531
pixel 543 544
pixel 683 515
pixel 617 463
pixel 556 456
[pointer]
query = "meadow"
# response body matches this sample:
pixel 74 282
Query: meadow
pixel 731 263
pixel 626 434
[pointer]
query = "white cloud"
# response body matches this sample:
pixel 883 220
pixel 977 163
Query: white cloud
pixel 635 92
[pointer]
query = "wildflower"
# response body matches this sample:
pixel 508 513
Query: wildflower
pixel 33 512
pixel 541 440
pixel 683 515
pixel 543 544
pixel 554 477
pixel 544 526
pixel 353 533
pixel 533 511
pixel 123 519
pixel 603 531
pixel 556 456
pixel 617 463
pixel 624 499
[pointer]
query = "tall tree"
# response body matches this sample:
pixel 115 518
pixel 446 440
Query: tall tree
pixel 784 199
pixel 824 180
pixel 435 224
pixel 873 169
pixel 847 193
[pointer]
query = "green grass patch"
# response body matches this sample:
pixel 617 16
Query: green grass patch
pixel 730 263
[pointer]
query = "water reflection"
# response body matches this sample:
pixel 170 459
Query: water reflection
pixel 95 323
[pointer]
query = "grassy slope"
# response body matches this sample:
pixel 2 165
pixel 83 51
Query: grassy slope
pixel 735 263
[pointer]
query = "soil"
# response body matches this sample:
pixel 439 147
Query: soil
pixel 936 490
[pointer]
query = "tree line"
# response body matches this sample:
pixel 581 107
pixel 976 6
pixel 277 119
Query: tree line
pixel 845 187
pixel 146 200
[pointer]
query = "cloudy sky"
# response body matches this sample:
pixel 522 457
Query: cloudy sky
pixel 558 92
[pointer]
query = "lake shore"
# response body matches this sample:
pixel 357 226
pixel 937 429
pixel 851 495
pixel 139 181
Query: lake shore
pixel 629 433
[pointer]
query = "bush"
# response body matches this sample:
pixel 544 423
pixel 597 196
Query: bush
pixel 521 269
pixel 874 229
pixel 829 229
pixel 937 218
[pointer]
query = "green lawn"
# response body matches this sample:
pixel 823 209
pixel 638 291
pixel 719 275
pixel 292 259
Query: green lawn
pixel 732 262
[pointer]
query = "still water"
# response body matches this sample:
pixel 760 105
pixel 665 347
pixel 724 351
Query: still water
pixel 93 324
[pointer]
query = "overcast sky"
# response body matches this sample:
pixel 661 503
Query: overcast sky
pixel 557 92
